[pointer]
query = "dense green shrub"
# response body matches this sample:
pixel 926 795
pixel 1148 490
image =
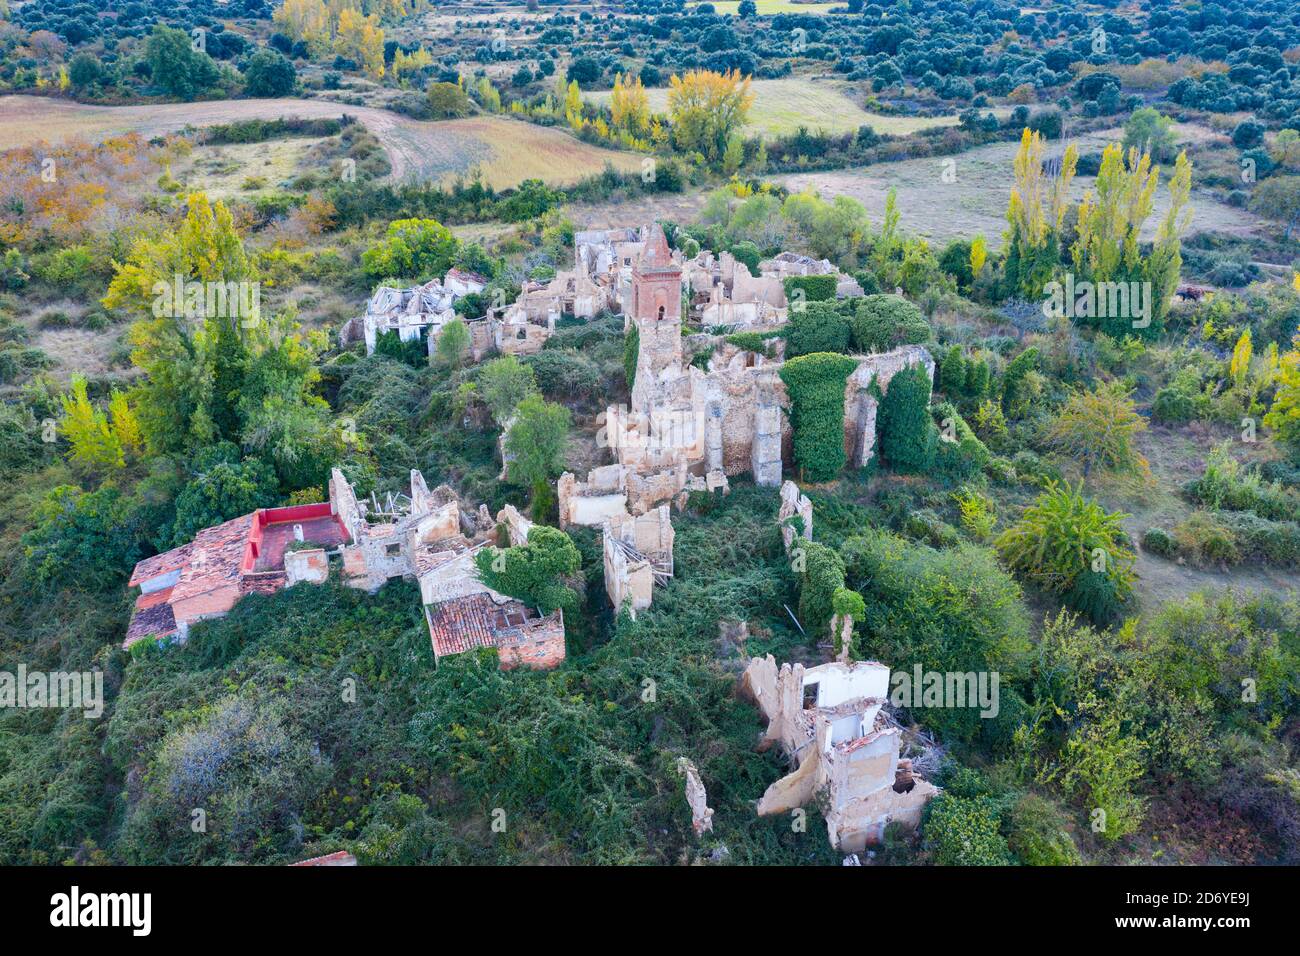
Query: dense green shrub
pixel 821 579
pixel 818 327
pixel 1038 833
pixel 884 322
pixel 907 432
pixel 1063 537
pixel 965 832
pixel 1158 541
pixel 816 387
pixel 810 288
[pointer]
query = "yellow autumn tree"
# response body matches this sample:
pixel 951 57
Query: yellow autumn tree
pixel 708 108
pixel 1239 367
pixel 124 424
pixel 360 39
pixel 92 445
pixel 629 105
pixel 308 21
pixel 979 254
pixel 1035 212
pixel 573 105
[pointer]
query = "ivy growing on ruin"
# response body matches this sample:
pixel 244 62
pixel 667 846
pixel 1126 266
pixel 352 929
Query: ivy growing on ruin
pixel 816 387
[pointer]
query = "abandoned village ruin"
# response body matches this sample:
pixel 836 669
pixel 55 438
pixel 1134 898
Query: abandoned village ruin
pixel 686 429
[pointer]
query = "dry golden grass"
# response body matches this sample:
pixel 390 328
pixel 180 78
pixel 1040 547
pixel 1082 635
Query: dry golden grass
pixel 505 151
pixel 782 106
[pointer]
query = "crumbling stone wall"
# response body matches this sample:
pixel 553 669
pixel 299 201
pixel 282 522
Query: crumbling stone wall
pixel 634 549
pixel 828 720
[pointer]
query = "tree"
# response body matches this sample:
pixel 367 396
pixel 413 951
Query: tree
pixel 504 383
pixel 269 73
pixel 907 432
pixel 85 70
pixel 707 108
pixel 1278 197
pixel 1284 415
pixel 1034 215
pixel 536 442
pixel 629 106
pixel 94 446
pixel 534 572
pixel 1248 134
pixel 417 249
pixel 1098 428
pixel 223 490
pixel 359 38
pixel 453 341
pixel 447 100
pixel 176 66
pixel 1147 130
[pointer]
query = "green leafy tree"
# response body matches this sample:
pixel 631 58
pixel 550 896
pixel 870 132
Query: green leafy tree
pixel 504 383
pixel 176 66
pixel 453 343
pixel 269 73
pixel 536 444
pixel 962 831
pixel 448 101
pixel 418 249
pixel 534 572
pixel 223 491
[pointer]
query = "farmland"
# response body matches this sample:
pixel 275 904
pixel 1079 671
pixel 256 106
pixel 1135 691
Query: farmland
pixel 782 106
pixel 503 151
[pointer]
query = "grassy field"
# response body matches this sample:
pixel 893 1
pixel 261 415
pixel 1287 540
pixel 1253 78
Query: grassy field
pixel 976 202
pixel 782 106
pixel 504 151
pixel 243 169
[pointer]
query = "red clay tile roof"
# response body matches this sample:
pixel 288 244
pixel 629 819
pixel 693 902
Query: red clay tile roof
pixel 216 557
pixel 262 582
pixel 462 624
pixel 153 618
pixel 160 564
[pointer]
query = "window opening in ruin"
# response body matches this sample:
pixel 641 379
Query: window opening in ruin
pixel 809 696
pixel 393 550
pixel 661 313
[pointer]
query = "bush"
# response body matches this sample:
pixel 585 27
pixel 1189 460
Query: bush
pixel 810 288
pixel 1203 539
pixel 818 327
pixel 1063 537
pixel 816 387
pixel 965 832
pixel 907 433
pixel 1038 833
pixel 1159 541
pixel 884 322
pixel 1175 406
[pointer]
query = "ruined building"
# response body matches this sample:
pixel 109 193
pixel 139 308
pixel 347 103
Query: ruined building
pixel 638 556
pixel 689 428
pixel 829 722
pixel 422 536
pixel 419 310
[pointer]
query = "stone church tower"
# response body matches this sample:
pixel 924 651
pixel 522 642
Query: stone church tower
pixel 657 312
